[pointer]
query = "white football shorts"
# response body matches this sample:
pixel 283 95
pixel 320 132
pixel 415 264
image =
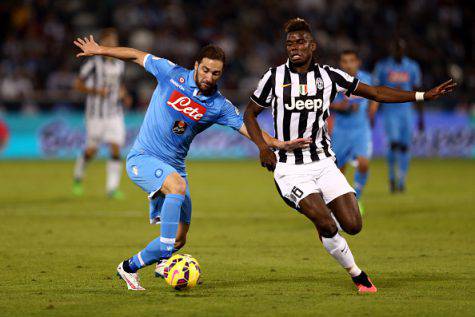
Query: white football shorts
pixel 296 182
pixel 107 130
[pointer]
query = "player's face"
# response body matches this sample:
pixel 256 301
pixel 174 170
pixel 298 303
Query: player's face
pixel 350 63
pixel 207 74
pixel 300 46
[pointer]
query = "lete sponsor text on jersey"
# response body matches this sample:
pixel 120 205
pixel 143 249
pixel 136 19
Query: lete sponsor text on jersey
pixel 185 105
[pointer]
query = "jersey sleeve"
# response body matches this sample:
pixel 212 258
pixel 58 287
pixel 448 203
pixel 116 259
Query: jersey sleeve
pixel 230 116
pixel 86 69
pixel 262 96
pixel 157 66
pixel 344 82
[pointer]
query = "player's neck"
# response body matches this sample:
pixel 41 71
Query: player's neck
pixel 303 68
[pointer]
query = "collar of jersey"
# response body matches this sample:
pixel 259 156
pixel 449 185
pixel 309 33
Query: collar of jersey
pixel 194 87
pixel 291 68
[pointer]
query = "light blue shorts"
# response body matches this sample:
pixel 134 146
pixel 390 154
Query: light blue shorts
pixel 350 144
pixel 148 172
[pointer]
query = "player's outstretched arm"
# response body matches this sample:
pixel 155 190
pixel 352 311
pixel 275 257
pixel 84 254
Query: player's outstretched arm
pixel 386 94
pixel 89 47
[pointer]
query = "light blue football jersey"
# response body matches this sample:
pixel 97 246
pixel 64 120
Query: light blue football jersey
pixel 178 112
pixel 405 75
pixel 353 119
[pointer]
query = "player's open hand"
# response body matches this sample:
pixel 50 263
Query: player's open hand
pixel 440 90
pixel 88 46
pixel 268 159
pixel 300 143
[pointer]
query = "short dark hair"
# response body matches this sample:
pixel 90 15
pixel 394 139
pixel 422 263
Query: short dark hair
pixel 212 52
pixel 349 52
pixel 297 24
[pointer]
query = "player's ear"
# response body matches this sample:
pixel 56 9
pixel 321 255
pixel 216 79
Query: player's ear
pixel 313 46
pixel 196 66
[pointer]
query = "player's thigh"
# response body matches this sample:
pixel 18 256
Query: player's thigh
pixel 315 209
pixel 148 172
pixel 115 131
pixel 346 211
pixel 294 183
pixel 332 182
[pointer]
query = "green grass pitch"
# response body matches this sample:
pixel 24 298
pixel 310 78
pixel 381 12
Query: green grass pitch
pixel 58 253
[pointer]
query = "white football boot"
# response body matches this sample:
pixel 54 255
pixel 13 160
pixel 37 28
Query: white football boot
pixel 160 267
pixel 131 279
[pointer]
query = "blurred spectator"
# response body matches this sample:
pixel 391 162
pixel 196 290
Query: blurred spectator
pixel 37 36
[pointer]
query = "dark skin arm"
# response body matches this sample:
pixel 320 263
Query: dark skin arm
pixel 267 156
pixel 376 93
pixel 386 94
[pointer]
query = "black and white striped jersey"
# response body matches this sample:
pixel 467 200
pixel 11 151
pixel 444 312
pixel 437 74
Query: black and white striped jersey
pixel 300 106
pixel 100 72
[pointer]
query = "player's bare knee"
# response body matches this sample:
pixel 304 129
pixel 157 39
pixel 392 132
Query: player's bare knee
pixel 353 225
pixel 327 227
pixel 174 184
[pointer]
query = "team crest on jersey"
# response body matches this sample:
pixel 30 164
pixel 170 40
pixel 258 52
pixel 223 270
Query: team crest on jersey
pixel 319 82
pixel 181 80
pixel 303 90
pixel 179 127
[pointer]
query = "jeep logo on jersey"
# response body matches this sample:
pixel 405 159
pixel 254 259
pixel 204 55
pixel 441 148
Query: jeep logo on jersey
pixel 179 127
pixel 185 105
pixel 298 104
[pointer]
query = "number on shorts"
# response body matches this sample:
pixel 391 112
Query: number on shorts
pixel 297 192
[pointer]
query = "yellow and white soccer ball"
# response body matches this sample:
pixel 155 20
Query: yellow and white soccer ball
pixel 182 271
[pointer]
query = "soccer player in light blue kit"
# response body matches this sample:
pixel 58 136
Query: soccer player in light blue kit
pixel 184 103
pixel 401 72
pixel 351 137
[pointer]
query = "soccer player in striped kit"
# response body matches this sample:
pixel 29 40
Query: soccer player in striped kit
pixel 299 93
pixel 101 79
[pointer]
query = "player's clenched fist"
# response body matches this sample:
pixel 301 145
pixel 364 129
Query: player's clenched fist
pixel 268 159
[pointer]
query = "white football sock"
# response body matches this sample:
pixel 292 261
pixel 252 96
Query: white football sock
pixel 79 167
pixel 114 171
pixel 340 251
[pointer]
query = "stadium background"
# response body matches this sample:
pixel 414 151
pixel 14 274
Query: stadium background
pixel 58 252
pixel 38 65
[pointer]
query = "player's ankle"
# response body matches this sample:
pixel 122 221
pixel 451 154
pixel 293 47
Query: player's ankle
pixel 354 271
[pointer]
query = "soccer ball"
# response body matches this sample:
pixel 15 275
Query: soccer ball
pixel 182 271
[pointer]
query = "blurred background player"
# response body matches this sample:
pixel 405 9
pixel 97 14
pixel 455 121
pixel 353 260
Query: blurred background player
pixel 184 103
pixel 401 72
pixel 101 78
pixel 351 136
